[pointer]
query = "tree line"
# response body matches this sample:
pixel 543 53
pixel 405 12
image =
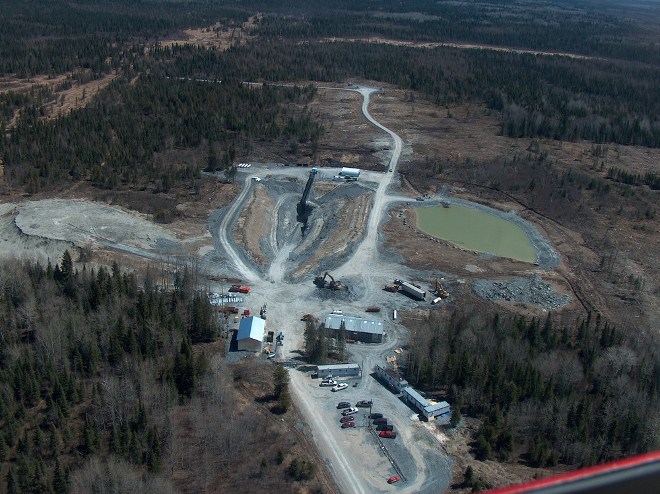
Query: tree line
pixel 577 393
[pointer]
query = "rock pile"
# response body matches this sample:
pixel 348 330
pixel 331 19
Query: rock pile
pixel 532 290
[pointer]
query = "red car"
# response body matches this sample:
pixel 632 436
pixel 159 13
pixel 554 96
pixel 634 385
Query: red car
pixel 346 425
pixel 393 479
pixel 387 434
pixel 347 419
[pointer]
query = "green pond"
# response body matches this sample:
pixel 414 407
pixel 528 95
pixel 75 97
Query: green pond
pixel 472 229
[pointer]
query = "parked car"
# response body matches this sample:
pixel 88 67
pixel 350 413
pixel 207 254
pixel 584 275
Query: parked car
pixel 364 403
pixel 350 418
pixel 394 478
pixel 343 404
pixel 328 382
pixel 387 434
pixel 385 427
pixel 349 411
pixel 376 415
pixel 346 425
pixel 380 421
pixel 339 387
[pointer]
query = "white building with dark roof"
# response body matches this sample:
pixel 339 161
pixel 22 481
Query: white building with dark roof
pixel 250 334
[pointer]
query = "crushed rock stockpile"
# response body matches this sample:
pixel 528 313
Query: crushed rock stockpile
pixel 532 290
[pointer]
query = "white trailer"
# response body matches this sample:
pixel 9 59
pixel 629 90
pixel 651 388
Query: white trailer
pixel 350 172
pixel 413 291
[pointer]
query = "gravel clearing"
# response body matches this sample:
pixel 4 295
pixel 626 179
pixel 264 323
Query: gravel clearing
pixel 532 290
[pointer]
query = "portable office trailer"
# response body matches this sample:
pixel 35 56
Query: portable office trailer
pixel 429 410
pixel 392 378
pixel 413 291
pixel 338 370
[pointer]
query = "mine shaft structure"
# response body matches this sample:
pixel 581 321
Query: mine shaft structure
pixel 305 209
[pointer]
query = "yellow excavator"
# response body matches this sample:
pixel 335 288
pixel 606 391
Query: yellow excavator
pixel 321 282
pixel 440 291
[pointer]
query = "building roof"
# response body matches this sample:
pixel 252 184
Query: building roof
pixel 351 323
pixel 436 406
pixel 394 375
pixel 412 288
pixel 429 408
pixel 338 366
pixel 252 328
pixel 415 395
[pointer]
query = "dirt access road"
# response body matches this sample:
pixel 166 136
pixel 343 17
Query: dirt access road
pixel 49 226
pixel 353 458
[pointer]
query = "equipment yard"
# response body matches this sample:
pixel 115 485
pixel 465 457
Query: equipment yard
pixel 361 234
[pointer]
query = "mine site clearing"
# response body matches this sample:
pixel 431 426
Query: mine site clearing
pixel 279 265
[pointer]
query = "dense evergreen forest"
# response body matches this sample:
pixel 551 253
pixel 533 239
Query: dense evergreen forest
pixel 95 346
pixel 95 366
pixel 579 393
pixel 553 97
pixel 112 141
pixel 56 36
pixel 572 27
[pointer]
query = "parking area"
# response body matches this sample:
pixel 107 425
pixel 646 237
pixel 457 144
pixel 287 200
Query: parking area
pixel 357 444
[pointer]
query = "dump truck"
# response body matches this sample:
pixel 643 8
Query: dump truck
pixel 391 288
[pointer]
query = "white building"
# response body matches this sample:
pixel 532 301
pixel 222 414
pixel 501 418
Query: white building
pixel 250 334
pixel 430 410
pixel 338 370
pixel 392 378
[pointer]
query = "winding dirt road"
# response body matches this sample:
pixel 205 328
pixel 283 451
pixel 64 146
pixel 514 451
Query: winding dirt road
pixel 287 302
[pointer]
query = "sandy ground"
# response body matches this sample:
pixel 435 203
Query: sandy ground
pixel 44 229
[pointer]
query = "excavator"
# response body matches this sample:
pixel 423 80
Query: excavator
pixel 320 281
pixel 440 291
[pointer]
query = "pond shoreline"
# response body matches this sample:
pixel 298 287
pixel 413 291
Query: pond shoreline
pixel 546 256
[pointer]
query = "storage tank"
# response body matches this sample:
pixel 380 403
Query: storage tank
pixel 350 172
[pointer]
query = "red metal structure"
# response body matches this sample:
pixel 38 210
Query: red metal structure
pixel 635 475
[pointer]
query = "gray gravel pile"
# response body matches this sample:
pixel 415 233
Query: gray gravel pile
pixel 532 290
